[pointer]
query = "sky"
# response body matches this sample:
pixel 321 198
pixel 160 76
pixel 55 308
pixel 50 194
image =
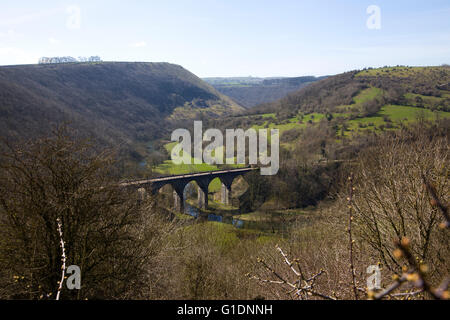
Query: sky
pixel 224 38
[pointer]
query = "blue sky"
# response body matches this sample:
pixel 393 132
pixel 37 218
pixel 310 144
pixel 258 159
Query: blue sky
pixel 230 37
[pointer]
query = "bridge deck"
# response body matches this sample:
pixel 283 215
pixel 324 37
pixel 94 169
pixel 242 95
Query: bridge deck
pixel 184 176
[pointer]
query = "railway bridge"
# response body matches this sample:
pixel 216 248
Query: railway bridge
pixel 179 182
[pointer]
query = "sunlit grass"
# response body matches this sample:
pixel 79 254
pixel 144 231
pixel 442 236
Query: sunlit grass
pixel 363 96
pixel 401 72
pixel 396 114
pixel 170 168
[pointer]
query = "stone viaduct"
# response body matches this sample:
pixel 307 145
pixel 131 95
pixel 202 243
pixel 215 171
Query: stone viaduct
pixel 203 179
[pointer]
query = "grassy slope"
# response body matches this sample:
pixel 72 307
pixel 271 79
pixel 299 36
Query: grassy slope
pixel 300 121
pixel 334 93
pixel 396 113
pixel 363 96
pixel 399 72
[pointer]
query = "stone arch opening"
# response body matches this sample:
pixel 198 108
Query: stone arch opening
pixel 165 196
pixel 191 194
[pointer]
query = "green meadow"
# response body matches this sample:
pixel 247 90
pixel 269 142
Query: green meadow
pixel 400 72
pixel 300 121
pixel 365 95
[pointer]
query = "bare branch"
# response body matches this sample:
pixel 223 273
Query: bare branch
pixel 300 291
pixel 288 262
pixel 63 258
pixel 436 201
pixel 350 219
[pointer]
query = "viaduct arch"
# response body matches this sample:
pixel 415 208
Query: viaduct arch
pixel 203 179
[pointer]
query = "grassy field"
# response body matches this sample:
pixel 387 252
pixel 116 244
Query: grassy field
pixel 169 168
pixel 401 72
pixel 426 101
pixel 300 121
pixel 362 97
pixel 396 114
pixel 272 216
pixel 269 115
pixel 368 95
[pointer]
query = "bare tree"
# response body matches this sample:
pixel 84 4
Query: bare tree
pixel 394 200
pixel 108 233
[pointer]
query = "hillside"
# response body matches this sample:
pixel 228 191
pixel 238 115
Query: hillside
pixel 326 126
pixel 366 92
pixel 114 101
pixel 250 91
pixel 342 106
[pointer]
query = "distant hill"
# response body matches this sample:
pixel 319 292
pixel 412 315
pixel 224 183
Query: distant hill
pixel 251 91
pixel 366 91
pixel 114 101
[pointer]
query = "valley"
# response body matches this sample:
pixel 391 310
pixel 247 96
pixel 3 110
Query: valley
pixel 224 158
pixel 328 130
pixel 251 91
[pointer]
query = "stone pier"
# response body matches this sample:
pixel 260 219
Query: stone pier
pixel 178 201
pixel 227 181
pixel 202 198
pixel 225 195
pixel 202 190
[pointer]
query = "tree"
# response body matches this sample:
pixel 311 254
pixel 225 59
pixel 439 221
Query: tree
pixel 392 202
pixel 63 178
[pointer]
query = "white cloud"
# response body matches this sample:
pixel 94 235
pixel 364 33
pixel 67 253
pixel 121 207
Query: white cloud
pixel 140 44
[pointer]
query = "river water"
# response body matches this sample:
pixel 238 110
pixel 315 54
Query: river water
pixel 232 218
pixel 263 225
